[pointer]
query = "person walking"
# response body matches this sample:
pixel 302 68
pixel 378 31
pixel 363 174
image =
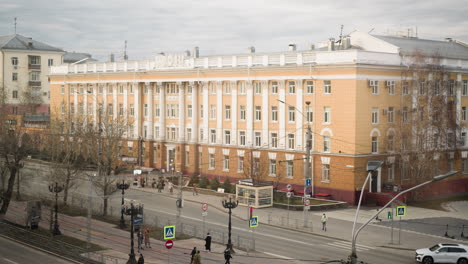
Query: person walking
pixel 192 254
pixel 195 190
pixel 324 222
pixel 140 240
pixel 197 258
pixel 171 187
pixel 208 242
pixel 227 256
pixel 147 238
pixel 141 259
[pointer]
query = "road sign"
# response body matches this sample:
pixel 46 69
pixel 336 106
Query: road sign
pixel 204 213
pixel 254 221
pixel 389 215
pixel 138 220
pixel 169 232
pixel 289 187
pixel 401 211
pixel 307 202
pixel 289 194
pixel 308 182
pixel 204 207
pixel 169 244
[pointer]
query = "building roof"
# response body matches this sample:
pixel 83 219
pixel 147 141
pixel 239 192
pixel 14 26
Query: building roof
pixel 18 42
pixel 448 49
pixel 72 57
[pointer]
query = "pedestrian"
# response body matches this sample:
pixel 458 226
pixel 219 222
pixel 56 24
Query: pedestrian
pixel 171 187
pixel 140 240
pixel 147 238
pixel 195 190
pixel 197 258
pixel 153 183
pixel 141 260
pixel 324 222
pixel 208 242
pixel 192 254
pixel 227 256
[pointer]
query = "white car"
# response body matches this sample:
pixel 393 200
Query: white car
pixel 443 253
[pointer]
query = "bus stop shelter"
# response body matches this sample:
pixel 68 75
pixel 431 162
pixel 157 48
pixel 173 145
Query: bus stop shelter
pixel 254 195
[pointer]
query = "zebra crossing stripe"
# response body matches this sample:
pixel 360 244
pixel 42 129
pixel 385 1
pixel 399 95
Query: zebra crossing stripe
pixel 347 245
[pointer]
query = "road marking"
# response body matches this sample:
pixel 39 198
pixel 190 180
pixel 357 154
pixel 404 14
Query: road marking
pixel 277 256
pixel 347 246
pixel 10 261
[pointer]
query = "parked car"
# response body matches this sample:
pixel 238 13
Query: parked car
pixel 443 253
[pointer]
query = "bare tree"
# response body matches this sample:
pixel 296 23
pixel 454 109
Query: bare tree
pixel 255 166
pixel 31 99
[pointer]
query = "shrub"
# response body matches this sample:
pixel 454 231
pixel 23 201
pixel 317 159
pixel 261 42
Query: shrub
pixel 203 182
pixel 227 186
pixel 194 180
pixel 214 184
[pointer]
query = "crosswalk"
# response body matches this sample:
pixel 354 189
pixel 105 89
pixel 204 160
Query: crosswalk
pixel 345 245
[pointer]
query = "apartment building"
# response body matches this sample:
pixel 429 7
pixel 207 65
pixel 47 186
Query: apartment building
pixel 24 68
pixel 217 115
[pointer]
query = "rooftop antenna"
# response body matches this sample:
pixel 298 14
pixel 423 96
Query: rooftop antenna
pixel 370 31
pixel 341 36
pixel 125 51
pixel 15 25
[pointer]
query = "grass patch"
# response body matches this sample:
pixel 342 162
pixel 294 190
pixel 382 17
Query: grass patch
pixel 69 240
pixel 436 204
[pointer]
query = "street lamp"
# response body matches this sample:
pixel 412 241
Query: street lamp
pixel 56 189
pixel 229 205
pixel 122 186
pixel 132 211
pixel 307 171
pixel 353 257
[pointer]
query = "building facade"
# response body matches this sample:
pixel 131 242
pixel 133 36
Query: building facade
pixel 24 68
pixel 218 115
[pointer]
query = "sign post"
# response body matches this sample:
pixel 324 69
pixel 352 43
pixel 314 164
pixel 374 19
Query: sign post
pixel 204 214
pixel 288 194
pixel 390 216
pixel 252 224
pixel 400 211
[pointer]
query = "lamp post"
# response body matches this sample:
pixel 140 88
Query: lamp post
pixel 132 211
pixel 56 189
pixel 230 205
pixel 307 170
pixel 122 186
pixel 353 257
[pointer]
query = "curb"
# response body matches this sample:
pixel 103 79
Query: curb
pixel 398 248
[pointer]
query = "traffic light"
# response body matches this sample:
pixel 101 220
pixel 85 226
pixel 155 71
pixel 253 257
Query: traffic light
pixel 251 212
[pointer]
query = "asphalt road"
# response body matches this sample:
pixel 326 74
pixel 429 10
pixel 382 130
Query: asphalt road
pixel 12 252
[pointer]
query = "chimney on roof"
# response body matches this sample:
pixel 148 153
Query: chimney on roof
pixel 292 47
pixel 111 57
pixel 196 52
pixel 331 44
pixel 30 43
pixel 346 42
pixel 311 46
pixel 251 49
pixel 187 53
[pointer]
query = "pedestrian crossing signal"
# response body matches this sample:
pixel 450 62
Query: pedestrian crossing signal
pixel 169 232
pixel 254 221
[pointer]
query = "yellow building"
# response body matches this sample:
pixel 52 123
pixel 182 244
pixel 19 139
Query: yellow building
pixel 213 115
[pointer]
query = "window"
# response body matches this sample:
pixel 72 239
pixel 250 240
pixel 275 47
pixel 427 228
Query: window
pixel 325 172
pixel 405 114
pixel 242 112
pixel 289 169
pixel 189 111
pixel 326 115
pixel 242 138
pixel 464 166
pixel 463 113
pixel 258 88
pixel 132 110
pixel 310 87
pixel 291 87
pixel 240 164
pixel 157 110
pixel 227 112
pixel 374 85
pixel 90 109
pixel 50 62
pixel 35 76
pixel 258 139
pixel 258 113
pixel 391 172
pixel 436 87
pixel 212 88
pixel 375 116
pixel 81 89
pixel 274 87
pixel 227 137
pixel 422 86
pixel 309 114
pixel 463 138
pixel 156 131
pixel 62 108
pixel 327 87
pixel 391 87
pixel 227 88
pixel 272 170
pixel 14 61
pixel 110 109
pixel 62 89
pixel 121 89
pixel 110 89
pixel 451 87
pixel 465 88
pixel 291 144
pixel 291 113
pixel 145 133
pixel 226 163
pixel 211 162
pixel 145 110
pixel 80 108
pixel 326 144
pixel 274 140
pixel 201 111
pixel 14 76
pixel 212 111
pixel 201 134
pixel 189 134
pixel 72 108
pixel 390 143
pixel 390 114
pixel 242 87
pixel 374 145
pixel 101 89
pixel 213 135
pixel 15 94
pixel 131 88
pixel 405 88
pixel 274 113
pixel 34 60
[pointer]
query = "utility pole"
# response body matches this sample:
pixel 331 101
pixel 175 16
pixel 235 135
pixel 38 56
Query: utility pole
pixel 179 198
pixel 15 25
pixel 307 171
pixel 88 237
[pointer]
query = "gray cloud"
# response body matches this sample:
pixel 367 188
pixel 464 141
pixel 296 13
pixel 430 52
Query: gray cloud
pixel 220 27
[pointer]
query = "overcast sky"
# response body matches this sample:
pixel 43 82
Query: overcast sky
pixel 100 27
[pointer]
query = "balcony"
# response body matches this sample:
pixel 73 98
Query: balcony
pixel 34 83
pixel 34 66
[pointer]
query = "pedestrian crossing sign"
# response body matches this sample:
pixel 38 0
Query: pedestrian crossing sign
pixel 401 211
pixel 169 232
pixel 254 221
